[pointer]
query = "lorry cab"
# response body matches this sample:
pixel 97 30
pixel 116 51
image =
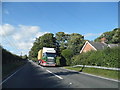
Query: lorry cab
pixel 50 57
pixel 47 56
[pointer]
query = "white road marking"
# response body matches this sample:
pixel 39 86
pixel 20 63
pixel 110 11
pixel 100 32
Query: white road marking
pixel 41 66
pixel 93 75
pixel 54 74
pixel 48 71
pixel 38 65
pixel 10 76
pixel 70 83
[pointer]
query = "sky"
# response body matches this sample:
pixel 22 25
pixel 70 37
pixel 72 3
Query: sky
pixel 23 22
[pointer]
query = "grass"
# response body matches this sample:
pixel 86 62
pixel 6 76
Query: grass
pixel 10 67
pixel 100 72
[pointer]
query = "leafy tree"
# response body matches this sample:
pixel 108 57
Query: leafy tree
pixel 47 40
pixel 67 54
pixel 116 36
pixel 61 41
pixel 111 36
pixel 75 42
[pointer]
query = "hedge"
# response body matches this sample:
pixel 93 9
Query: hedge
pixel 108 57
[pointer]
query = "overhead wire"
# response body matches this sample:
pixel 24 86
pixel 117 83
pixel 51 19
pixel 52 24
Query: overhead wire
pixel 11 43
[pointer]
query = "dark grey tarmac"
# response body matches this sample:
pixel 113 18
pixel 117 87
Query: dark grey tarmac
pixel 33 76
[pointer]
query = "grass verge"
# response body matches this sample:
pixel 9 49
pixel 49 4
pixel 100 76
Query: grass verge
pixel 9 68
pixel 113 74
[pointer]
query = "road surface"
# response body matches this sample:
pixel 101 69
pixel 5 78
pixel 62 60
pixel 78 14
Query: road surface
pixel 32 75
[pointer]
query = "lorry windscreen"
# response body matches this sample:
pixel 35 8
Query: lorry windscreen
pixel 50 54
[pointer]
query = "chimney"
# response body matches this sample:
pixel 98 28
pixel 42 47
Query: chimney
pixel 103 40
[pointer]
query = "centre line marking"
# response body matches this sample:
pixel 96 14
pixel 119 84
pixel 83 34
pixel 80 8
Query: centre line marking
pixel 54 74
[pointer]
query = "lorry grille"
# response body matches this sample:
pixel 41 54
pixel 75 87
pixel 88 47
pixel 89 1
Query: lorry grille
pixel 50 60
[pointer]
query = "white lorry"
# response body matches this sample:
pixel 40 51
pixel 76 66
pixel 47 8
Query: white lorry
pixel 47 56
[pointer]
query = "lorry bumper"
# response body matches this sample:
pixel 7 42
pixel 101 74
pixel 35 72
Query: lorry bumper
pixel 48 64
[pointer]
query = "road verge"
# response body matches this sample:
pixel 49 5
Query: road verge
pixel 112 74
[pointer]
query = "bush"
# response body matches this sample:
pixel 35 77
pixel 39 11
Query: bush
pixel 107 57
pixel 67 54
pixel 8 57
pixel 58 60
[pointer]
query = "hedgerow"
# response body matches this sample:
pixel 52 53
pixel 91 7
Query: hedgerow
pixel 8 57
pixel 108 57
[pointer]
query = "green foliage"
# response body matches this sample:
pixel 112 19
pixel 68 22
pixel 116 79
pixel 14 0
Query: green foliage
pixel 67 54
pixel 81 59
pixel 111 36
pixel 107 57
pixel 47 40
pixel 75 42
pixel 8 57
pixel 61 41
pixel 96 71
pixel 58 60
pixel 68 47
pixel 116 37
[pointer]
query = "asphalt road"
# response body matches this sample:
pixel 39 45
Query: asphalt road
pixel 32 75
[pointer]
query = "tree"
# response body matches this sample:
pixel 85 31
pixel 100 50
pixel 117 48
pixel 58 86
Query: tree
pixel 61 41
pixel 116 37
pixel 111 36
pixel 75 42
pixel 67 54
pixel 47 40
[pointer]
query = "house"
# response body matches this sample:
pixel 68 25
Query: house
pixel 90 45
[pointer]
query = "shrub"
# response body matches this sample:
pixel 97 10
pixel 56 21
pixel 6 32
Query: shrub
pixel 107 57
pixel 8 57
pixel 67 54
pixel 58 60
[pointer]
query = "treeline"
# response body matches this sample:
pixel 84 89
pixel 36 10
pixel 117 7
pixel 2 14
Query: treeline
pixel 61 41
pixel 111 36
pixel 8 57
pixel 108 57
pixel 68 48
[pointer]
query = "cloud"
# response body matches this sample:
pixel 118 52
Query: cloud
pixel 40 34
pixel 67 33
pixel 22 36
pixel 23 45
pixel 6 30
pixel 26 32
pixel 92 34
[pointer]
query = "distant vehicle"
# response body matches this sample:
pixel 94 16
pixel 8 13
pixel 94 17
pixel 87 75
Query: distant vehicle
pixel 47 57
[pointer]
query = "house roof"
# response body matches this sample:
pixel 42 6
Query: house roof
pixel 98 45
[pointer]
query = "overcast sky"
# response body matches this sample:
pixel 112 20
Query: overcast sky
pixel 22 22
